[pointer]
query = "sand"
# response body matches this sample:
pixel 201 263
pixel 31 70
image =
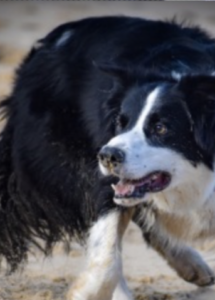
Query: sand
pixel 22 23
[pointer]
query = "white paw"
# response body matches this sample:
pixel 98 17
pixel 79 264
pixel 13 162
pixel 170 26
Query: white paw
pixel 192 268
pixel 122 291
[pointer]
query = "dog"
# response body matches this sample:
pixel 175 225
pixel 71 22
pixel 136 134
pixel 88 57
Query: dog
pixel 111 119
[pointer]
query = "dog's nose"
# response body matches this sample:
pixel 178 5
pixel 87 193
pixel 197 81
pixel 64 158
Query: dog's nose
pixel 111 156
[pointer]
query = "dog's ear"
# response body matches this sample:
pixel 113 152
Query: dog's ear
pixel 123 73
pixel 110 68
pixel 199 95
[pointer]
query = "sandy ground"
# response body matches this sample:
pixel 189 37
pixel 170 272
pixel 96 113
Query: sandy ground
pixel 21 23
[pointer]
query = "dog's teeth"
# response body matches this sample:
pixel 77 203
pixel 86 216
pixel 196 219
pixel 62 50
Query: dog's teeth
pixel 113 187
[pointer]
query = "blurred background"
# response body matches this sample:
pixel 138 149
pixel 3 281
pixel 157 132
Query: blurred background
pixel 21 24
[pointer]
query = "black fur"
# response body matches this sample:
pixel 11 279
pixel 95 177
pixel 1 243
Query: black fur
pixel 64 108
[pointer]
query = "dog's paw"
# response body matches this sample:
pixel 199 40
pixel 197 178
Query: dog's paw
pixel 191 267
pixel 122 291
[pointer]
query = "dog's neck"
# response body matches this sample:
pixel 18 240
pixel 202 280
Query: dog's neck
pixel 194 191
pixel 192 205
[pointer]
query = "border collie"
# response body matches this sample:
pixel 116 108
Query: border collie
pixel 111 119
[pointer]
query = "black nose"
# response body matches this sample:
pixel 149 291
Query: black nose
pixel 111 156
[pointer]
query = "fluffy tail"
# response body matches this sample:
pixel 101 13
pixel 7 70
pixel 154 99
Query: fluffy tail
pixel 27 217
pixel 15 234
pixel 12 242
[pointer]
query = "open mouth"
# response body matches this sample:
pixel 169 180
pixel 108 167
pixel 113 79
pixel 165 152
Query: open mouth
pixel 153 182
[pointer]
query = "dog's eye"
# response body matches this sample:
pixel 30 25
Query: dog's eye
pixel 122 121
pixel 160 129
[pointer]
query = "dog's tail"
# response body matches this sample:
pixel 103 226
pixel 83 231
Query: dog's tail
pixel 15 233
pixel 28 218
pixel 12 244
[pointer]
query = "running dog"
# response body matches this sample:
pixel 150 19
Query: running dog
pixel 111 119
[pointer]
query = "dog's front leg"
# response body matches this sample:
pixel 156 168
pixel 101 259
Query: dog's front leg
pixel 104 265
pixel 122 291
pixel 183 259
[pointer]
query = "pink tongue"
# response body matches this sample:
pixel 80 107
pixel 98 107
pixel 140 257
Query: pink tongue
pixel 123 188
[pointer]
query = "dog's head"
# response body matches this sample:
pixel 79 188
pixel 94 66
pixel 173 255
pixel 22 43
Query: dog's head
pixel 164 142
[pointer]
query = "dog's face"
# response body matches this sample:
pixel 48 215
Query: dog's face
pixel 165 142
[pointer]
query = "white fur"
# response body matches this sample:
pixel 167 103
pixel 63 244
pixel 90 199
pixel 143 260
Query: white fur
pixel 104 265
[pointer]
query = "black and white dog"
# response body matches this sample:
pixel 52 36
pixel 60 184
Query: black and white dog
pixel 139 96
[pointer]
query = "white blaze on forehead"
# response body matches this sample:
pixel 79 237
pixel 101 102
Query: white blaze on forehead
pixel 150 103
pixel 127 139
